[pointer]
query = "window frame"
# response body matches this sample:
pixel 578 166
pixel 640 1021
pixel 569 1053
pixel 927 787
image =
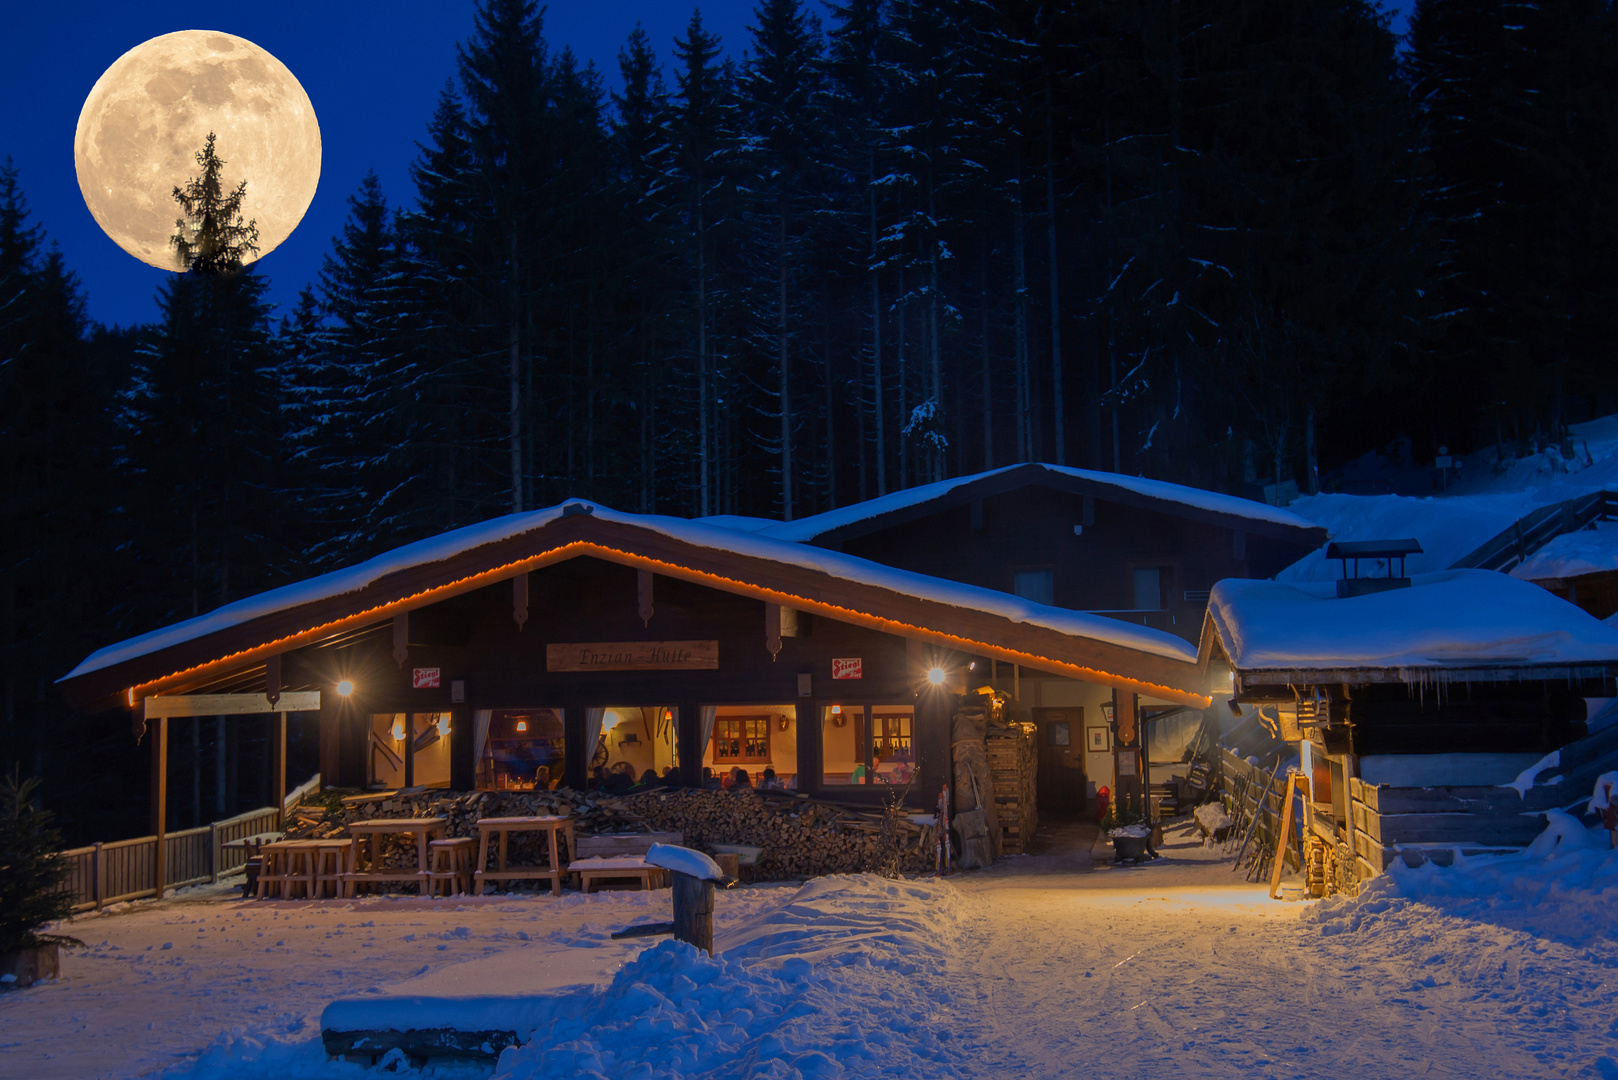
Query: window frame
pixel 743 759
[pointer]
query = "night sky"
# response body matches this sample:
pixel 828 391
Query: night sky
pixel 372 70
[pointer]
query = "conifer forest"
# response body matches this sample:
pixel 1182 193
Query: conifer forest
pixel 1228 243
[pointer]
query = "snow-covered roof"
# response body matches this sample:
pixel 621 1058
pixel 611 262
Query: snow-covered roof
pixel 347 580
pixel 1450 620
pixel 739 522
pixel 712 537
pixel 807 529
pixel 1571 555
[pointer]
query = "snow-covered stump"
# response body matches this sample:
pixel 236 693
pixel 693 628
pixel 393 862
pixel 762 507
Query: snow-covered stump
pixel 693 911
pixel 695 876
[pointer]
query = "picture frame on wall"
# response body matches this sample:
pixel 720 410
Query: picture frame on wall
pixel 1097 741
pixel 1106 712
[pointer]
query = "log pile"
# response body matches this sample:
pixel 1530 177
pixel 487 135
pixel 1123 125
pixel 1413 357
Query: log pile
pixel 800 837
pixel 1014 763
pixel 975 815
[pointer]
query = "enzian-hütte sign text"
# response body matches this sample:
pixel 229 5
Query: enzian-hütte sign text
pixel 633 656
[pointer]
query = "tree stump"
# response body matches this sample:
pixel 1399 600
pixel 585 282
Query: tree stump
pixel 693 911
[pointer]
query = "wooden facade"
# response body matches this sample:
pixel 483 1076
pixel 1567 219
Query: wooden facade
pixel 1090 537
pixel 418 663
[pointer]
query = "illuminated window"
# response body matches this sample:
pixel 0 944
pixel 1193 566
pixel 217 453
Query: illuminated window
pixel 518 749
pixel 385 754
pixel 867 744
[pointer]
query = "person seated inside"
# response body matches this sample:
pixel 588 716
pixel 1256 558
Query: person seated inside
pixel 740 780
pixel 768 782
pixel 617 779
pixel 709 780
pixel 648 779
pixel 729 779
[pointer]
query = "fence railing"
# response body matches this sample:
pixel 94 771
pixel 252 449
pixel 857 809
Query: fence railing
pixel 103 874
pixel 1528 534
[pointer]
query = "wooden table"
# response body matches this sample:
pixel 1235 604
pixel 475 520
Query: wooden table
pixel 550 824
pixel 366 864
pixel 590 871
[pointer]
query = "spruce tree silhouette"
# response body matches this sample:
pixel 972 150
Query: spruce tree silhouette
pixel 211 238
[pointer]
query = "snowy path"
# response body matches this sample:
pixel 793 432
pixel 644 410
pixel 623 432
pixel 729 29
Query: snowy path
pixel 1042 967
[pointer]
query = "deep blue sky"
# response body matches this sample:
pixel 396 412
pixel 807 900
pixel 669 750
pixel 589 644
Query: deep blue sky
pixel 373 71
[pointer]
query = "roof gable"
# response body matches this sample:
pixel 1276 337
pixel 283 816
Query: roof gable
pixel 965 617
pixel 911 504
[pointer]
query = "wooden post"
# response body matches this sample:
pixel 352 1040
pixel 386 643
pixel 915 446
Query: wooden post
pixel 278 763
pixel 1283 838
pixel 693 911
pixel 158 728
pixel 410 751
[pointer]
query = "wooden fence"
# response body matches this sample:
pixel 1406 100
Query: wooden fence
pixel 102 874
pixel 1254 778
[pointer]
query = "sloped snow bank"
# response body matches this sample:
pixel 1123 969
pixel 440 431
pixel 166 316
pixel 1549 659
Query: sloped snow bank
pixel 1563 887
pixel 830 983
pixel 819 987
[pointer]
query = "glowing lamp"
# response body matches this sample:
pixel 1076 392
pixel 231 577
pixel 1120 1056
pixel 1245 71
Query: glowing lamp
pixel 443 725
pixel 398 729
pixel 668 714
pixel 837 710
pixel 522 725
pixel 345 687
pixel 935 676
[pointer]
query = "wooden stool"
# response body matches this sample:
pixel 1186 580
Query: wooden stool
pixel 450 865
pixel 273 874
pixel 331 862
pixel 300 869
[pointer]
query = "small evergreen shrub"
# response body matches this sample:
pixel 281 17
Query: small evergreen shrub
pixel 31 874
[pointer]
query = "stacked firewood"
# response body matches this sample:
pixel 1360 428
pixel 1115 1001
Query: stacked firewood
pixel 1014 763
pixel 800 837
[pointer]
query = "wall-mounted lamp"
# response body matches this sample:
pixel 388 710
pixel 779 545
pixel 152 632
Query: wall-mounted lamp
pixel 345 687
pixel 443 725
pixel 837 710
pixel 398 729
pixel 935 676
pixel 522 725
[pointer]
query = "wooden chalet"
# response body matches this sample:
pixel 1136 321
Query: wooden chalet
pixel 1411 710
pixel 531 649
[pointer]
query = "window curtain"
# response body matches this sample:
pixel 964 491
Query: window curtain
pixel 707 714
pixel 480 737
pixel 592 733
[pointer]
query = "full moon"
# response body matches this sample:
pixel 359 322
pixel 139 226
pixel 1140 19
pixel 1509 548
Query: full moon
pixel 150 113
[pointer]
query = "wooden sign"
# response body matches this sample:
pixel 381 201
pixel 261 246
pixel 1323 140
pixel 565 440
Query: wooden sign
pixel 633 656
pixel 424 678
pixel 848 667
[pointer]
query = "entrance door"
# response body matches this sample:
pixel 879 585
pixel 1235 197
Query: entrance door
pixel 1062 790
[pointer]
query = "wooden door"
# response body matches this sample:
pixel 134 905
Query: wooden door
pixel 1061 789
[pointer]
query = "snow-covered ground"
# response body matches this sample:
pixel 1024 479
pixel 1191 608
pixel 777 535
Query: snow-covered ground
pixel 1486 500
pixel 1045 965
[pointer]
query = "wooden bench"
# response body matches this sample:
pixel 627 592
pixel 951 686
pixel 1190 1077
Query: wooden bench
pixel 589 871
pixel 623 851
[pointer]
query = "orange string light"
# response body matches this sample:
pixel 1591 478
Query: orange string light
pixel 580 548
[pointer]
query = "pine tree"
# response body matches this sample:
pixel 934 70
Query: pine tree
pixel 704 137
pixel 31 873
pixel 211 238
pixel 202 417
pixel 780 88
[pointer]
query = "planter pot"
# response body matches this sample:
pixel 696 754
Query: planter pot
pixel 1129 848
pixel 28 966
